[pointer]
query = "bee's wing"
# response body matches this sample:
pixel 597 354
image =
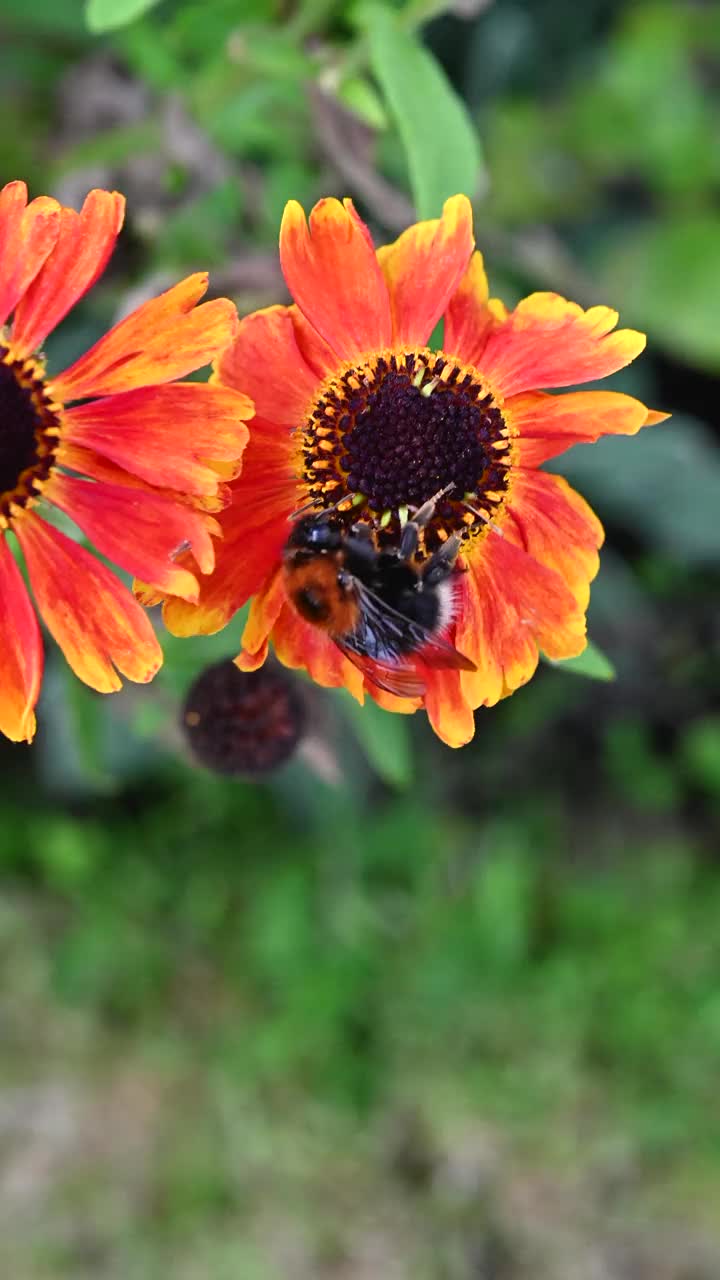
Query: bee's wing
pixel 402 681
pixel 440 653
pixel 389 635
pixel 382 641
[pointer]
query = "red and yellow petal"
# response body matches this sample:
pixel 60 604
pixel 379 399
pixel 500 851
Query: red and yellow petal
pixel 390 701
pixel 84 243
pixel 265 361
pixel 254 529
pixel 550 342
pixel 448 708
pixel 511 606
pixel 138 530
pixel 424 268
pixel 95 621
pixel 557 528
pixel 490 631
pixel 242 562
pixel 166 338
pixel 28 233
pixel 165 434
pixel 316 352
pixel 265 610
pixel 334 276
pixel 546 425
pixel 471 316
pixel 88 463
pixel 21 653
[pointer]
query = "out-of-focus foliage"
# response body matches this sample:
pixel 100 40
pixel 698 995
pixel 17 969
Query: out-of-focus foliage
pixel 106 15
pixel 591 662
pixel 441 146
pixel 398 1011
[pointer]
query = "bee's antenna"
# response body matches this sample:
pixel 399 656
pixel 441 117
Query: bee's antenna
pixel 309 506
pixel 301 510
pixel 486 519
pixel 423 514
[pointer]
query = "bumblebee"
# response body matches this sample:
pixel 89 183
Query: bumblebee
pixel 385 610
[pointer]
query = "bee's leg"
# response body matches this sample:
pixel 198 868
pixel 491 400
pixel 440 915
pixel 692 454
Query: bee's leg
pixel 441 563
pixel 410 536
pixel 361 531
pixel 409 540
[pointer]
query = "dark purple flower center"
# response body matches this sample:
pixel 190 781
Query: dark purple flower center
pixel 243 722
pixel 392 433
pixel 28 431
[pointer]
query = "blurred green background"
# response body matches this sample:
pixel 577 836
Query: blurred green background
pixel 396 1012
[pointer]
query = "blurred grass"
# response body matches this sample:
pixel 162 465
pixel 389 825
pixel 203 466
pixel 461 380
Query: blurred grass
pixel 351 1010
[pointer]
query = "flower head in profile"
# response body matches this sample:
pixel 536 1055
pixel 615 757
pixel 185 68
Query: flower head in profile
pixel 113 442
pixel 355 412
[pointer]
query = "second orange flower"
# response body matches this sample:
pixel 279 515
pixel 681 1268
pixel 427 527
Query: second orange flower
pixel 114 442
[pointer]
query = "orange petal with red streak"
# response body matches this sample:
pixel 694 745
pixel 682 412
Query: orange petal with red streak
pixel 493 634
pixel 550 342
pixel 316 352
pixel 165 434
pixel 334 276
pixel 511 604
pixel 263 615
pixel 547 425
pixel 138 530
pixel 557 528
pixel 265 361
pixel 247 661
pixel 92 617
pixel 471 316
pixel 28 233
pixel 84 243
pixel 21 653
pixel 255 528
pixel 89 463
pixel 448 709
pixel 166 338
pixel 389 701
pixel 423 269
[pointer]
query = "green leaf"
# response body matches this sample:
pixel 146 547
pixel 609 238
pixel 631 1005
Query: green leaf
pixel 591 663
pixel 108 15
pixel 385 739
pixel 361 98
pixel 441 145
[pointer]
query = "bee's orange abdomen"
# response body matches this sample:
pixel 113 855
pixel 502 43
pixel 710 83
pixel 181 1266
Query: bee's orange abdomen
pixel 315 592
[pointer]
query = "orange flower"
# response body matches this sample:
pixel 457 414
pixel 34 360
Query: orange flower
pixel 130 467
pixel 351 401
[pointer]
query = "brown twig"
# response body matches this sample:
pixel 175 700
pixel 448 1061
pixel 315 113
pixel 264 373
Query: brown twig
pixel 348 143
